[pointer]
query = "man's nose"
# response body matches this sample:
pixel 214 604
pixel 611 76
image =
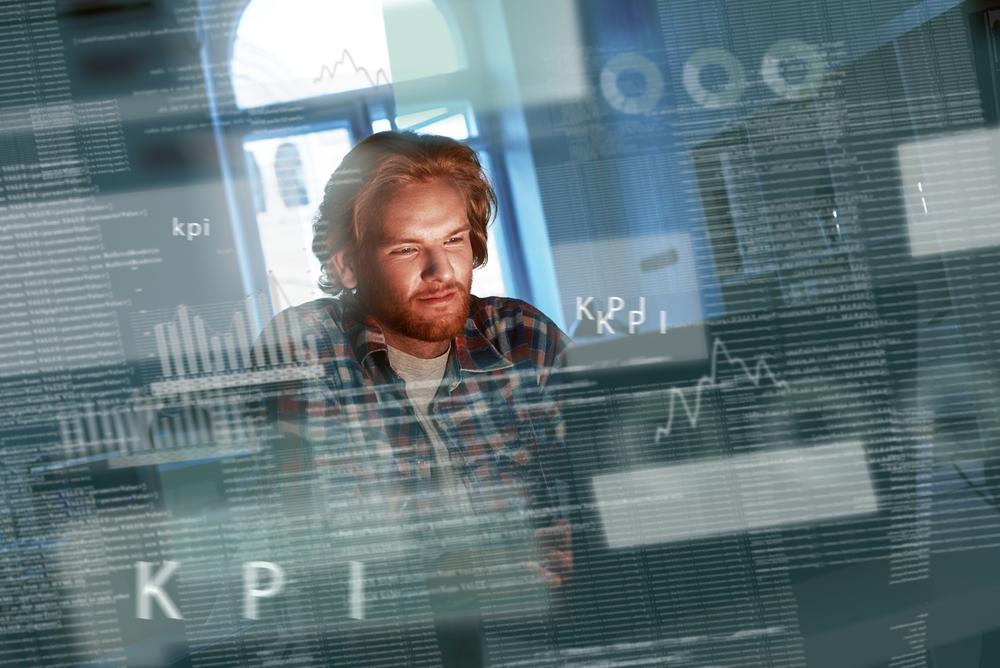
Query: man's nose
pixel 438 266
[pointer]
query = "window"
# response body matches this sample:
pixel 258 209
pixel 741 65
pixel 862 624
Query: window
pixel 280 55
pixel 288 172
pixel 296 168
pixel 257 184
pixel 329 57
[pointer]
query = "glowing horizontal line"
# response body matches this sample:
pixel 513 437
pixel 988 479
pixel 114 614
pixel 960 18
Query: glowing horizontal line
pixel 182 385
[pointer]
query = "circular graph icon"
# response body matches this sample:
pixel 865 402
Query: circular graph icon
pixel 730 91
pixel 633 99
pixel 796 50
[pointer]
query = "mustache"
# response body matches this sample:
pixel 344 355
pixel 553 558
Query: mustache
pixel 441 291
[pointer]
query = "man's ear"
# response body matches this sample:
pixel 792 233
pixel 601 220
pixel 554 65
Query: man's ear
pixel 343 264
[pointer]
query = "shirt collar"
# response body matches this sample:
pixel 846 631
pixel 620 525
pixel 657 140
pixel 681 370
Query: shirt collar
pixel 472 351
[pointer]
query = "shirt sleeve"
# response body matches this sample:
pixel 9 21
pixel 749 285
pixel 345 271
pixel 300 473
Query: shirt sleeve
pixel 296 398
pixel 328 480
pixel 313 425
pixel 553 464
pixel 552 503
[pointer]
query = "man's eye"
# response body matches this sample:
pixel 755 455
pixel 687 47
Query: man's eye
pixel 455 240
pixel 404 251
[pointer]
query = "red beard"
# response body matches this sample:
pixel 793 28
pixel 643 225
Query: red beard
pixel 416 320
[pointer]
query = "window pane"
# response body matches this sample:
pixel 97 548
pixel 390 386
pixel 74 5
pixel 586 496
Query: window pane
pixel 291 179
pixel 332 46
pixel 421 41
pixel 294 171
pixel 324 46
pixel 438 121
pixel 488 280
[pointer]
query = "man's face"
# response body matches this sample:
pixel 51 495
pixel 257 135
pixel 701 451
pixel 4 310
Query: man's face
pixel 415 276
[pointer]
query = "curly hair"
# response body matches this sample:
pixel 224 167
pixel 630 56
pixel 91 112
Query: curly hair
pixel 377 167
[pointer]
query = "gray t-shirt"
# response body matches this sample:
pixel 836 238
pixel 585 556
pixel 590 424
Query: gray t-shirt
pixel 423 377
pixel 463 533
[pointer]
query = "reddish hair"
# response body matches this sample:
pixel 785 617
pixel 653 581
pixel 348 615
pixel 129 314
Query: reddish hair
pixel 375 169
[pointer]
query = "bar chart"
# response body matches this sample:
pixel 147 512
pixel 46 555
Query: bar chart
pixel 192 358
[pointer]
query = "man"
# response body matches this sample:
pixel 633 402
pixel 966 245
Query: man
pixel 432 407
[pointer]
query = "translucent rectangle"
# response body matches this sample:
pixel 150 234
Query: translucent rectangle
pixel 951 192
pixel 734 494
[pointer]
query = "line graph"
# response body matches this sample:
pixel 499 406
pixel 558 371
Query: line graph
pixel 710 381
pixel 381 76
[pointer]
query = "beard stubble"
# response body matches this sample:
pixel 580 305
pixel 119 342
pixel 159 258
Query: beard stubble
pixel 409 318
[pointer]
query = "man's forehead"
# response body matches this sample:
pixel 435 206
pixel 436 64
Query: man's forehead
pixel 422 211
pixel 390 232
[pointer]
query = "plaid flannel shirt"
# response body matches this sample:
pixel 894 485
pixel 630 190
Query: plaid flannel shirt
pixel 494 408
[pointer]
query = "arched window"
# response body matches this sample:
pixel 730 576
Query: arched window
pixel 291 180
pixel 287 52
pixel 256 184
